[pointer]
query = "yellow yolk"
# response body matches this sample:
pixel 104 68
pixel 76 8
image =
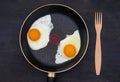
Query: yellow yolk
pixel 69 50
pixel 34 34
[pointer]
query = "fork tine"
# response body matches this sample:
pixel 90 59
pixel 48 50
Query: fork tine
pixel 95 17
pixel 101 18
pixel 98 18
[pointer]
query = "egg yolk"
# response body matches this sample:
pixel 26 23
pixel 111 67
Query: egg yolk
pixel 69 50
pixel 34 34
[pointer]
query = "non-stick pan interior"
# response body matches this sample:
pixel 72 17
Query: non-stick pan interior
pixel 65 22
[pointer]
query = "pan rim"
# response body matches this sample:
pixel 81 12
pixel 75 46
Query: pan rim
pixel 43 7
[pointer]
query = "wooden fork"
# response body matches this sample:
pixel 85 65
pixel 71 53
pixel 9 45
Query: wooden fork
pixel 98 56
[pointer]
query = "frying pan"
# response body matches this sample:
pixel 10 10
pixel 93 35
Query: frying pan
pixel 66 21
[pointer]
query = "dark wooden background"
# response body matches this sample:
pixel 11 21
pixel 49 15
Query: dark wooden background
pixel 13 66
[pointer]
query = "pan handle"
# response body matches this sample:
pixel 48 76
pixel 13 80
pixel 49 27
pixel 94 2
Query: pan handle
pixel 51 77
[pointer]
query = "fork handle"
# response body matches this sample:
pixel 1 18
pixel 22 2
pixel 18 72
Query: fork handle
pixel 98 56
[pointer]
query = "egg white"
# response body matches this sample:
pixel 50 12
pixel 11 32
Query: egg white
pixel 44 25
pixel 73 39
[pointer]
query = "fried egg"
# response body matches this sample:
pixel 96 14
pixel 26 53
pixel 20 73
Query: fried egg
pixel 39 32
pixel 68 48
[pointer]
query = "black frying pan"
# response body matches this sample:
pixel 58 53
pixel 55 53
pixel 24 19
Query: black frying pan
pixel 66 21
